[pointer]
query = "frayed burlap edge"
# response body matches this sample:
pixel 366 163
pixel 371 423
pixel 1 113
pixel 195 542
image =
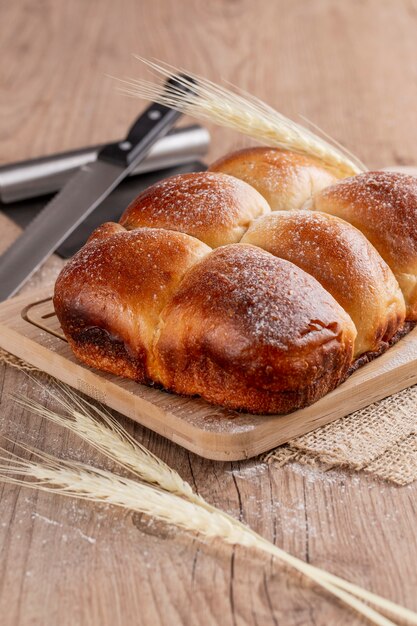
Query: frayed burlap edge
pixel 397 465
pixel 380 439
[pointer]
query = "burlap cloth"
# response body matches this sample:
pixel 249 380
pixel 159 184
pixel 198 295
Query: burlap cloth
pixel 380 439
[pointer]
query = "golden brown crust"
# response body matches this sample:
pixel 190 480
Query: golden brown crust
pixel 285 179
pixel 105 230
pixel 383 205
pixel 109 295
pixel 344 262
pixel 367 357
pixel 215 208
pixel 250 331
pixel 239 326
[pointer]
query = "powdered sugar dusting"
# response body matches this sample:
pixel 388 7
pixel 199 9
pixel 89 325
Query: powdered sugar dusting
pixel 341 258
pixel 385 202
pixel 284 178
pixel 125 260
pixel 262 293
pixel 196 203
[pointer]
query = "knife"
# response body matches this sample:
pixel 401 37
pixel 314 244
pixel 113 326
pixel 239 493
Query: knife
pixel 82 194
pixel 48 174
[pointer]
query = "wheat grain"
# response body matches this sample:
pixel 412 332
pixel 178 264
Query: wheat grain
pixel 240 111
pixel 96 425
pixel 70 478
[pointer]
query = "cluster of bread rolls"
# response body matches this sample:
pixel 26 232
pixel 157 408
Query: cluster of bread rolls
pixel 258 285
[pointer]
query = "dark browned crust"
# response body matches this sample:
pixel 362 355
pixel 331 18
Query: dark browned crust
pixel 226 353
pixel 114 357
pixel 99 349
pixel 253 332
pixel 371 356
pixel 109 296
pixel 218 375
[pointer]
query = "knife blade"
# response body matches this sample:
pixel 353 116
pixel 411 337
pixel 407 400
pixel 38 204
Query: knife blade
pixel 82 194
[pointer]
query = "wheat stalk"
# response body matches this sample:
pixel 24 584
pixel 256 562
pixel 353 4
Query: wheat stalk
pixel 112 440
pixel 98 428
pixel 70 478
pixel 207 101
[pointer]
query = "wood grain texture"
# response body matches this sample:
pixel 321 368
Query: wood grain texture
pixel 349 67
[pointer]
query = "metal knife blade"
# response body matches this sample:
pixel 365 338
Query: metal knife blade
pixel 81 195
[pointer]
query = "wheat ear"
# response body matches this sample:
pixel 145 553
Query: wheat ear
pixel 240 111
pixel 70 478
pixel 96 425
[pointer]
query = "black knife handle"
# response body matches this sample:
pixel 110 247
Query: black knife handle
pixel 153 121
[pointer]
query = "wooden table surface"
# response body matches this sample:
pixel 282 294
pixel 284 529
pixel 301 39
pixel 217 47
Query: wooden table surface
pixel 350 67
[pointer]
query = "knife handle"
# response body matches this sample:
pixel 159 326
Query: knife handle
pixel 152 122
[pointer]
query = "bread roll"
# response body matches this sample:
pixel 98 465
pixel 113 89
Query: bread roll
pixel 344 262
pixel 105 230
pixel 251 331
pixel 285 179
pixel 109 295
pixel 215 208
pixel 239 326
pixel 383 205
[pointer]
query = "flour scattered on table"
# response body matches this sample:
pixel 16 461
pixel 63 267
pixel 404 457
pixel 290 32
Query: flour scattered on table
pixel 46 519
pixel 86 537
pixel 52 522
pixel 249 470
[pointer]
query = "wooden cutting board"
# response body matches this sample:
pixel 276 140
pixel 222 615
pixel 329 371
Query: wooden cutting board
pixel 30 330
